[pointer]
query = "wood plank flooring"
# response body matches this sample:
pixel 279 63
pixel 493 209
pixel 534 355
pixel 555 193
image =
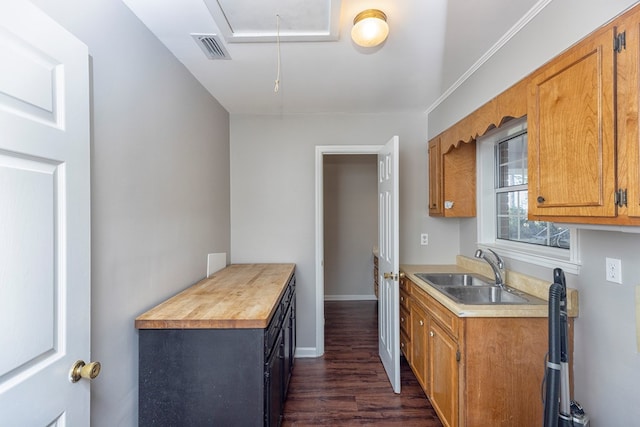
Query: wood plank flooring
pixel 348 385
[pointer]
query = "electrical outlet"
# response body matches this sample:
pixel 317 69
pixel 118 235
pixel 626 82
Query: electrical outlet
pixel 613 270
pixel 424 239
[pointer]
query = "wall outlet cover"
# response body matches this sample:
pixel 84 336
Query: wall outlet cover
pixel 613 269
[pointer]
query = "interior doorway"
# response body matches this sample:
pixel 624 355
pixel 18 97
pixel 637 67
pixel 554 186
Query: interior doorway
pixel 322 153
pixel 350 226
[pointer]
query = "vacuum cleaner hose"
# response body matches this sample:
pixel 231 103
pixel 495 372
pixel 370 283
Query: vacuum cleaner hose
pixel 552 392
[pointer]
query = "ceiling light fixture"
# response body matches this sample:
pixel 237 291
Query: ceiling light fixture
pixel 370 28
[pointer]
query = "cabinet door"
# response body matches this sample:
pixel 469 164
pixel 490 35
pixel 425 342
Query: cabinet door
pixel 571 122
pixel 419 343
pixel 435 178
pixel 443 374
pixel 628 92
pixel 459 180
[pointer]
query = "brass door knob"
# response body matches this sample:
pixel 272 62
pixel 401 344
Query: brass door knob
pixel 81 370
pixel 391 276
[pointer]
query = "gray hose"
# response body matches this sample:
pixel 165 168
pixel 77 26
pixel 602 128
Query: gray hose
pixel 552 402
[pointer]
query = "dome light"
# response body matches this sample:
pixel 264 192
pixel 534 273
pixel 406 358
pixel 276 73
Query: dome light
pixel 370 28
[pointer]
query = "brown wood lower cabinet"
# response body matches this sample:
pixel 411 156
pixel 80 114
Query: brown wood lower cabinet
pixel 419 343
pixel 443 374
pixel 476 371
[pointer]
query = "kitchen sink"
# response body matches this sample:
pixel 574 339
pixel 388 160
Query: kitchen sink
pixel 468 288
pixel 490 295
pixel 445 279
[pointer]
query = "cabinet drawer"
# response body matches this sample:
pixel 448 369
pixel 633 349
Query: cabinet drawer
pixel 446 318
pixel 405 285
pixel 404 299
pixel 405 323
pixel 273 330
pixel 405 343
pixel 288 293
pixel 439 312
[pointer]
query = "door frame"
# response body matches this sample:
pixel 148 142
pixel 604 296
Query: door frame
pixel 321 151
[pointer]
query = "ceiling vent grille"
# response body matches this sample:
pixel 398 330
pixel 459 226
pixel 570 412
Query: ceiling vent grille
pixel 211 46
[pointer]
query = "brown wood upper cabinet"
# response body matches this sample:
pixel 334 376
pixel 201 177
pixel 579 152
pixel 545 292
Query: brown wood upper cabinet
pixel 452 179
pixel 452 154
pixel 584 143
pixel 583 130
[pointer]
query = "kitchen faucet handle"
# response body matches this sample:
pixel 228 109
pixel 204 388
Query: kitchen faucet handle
pixel 499 259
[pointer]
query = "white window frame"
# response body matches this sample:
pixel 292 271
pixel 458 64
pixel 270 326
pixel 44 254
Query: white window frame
pixel 544 256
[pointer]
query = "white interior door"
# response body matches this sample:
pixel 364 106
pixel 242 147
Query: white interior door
pixel 44 219
pixel 388 246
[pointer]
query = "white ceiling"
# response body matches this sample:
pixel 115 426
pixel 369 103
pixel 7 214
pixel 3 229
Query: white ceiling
pixel 431 44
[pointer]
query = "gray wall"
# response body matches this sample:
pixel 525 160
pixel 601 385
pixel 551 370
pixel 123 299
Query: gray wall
pixel 160 187
pixel 350 225
pixel 606 359
pixel 273 192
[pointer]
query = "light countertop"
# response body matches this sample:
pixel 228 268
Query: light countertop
pixel 238 296
pixel 531 285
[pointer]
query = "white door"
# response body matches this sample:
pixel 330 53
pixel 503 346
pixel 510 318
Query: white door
pixel 44 219
pixel 388 292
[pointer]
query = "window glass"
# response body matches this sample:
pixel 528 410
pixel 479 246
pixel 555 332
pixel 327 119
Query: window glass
pixel 512 198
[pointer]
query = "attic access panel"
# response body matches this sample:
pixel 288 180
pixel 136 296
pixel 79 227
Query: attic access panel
pixel 255 21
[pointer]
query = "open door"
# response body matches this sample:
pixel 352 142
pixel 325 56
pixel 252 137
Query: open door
pixel 388 246
pixel 44 221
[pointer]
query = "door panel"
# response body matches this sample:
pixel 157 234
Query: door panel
pixel 44 219
pixel 28 212
pixel 388 246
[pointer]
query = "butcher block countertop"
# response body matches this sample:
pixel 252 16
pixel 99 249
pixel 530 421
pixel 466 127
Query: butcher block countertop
pixel 239 296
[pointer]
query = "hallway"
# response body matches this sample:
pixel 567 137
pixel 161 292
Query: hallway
pixel 348 385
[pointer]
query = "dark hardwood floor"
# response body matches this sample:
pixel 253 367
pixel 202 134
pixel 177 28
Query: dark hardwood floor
pixel 348 385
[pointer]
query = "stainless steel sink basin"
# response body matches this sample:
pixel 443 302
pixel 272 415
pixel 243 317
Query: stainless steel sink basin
pixel 490 295
pixel 445 279
pixel 466 288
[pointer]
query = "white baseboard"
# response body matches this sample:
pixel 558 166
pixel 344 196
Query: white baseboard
pixel 350 298
pixel 302 352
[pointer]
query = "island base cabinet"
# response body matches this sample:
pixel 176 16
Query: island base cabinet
pixel 207 363
pixel 201 377
pixel 274 384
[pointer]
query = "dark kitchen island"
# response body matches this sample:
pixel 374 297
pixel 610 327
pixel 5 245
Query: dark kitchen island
pixel 220 352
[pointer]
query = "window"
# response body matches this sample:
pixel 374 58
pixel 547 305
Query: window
pixel 503 204
pixel 512 198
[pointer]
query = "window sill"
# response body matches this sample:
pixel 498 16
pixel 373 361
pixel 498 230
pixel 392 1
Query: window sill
pixel 543 258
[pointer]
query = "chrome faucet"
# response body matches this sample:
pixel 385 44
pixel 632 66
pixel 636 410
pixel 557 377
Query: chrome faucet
pixel 497 266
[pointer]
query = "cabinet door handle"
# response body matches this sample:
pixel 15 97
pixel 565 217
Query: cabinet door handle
pixel 431 333
pixel 421 323
pixel 540 199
